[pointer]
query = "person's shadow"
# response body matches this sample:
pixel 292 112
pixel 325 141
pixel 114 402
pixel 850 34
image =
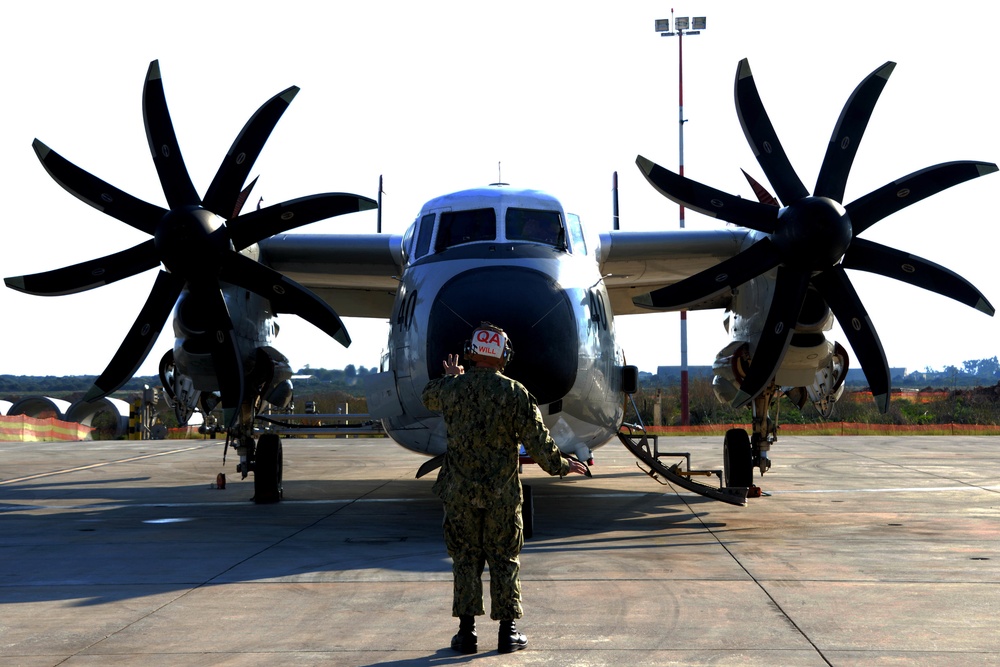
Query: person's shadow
pixel 443 656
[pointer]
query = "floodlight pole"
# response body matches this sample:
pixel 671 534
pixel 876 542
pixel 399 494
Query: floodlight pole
pixel 682 25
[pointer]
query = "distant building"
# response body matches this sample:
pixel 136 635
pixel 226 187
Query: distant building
pixel 668 375
pixel 672 374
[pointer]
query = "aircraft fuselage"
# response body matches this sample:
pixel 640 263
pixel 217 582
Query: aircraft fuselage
pixel 513 258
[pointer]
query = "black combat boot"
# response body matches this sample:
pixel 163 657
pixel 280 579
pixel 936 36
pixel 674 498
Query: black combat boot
pixel 466 641
pixel 509 639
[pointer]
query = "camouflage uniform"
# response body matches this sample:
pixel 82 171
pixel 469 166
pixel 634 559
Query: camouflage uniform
pixel 487 415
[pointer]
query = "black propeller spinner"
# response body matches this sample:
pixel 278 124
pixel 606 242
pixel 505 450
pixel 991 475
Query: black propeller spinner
pixel 198 242
pixel 813 238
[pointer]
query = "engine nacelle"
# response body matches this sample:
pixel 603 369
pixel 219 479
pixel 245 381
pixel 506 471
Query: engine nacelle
pixel 178 389
pixel 806 353
pixel 187 378
pixel 828 385
pixel 812 364
pixel 730 368
pixel 192 353
pixel 813 368
pixel 273 373
pixel 815 316
pixel 281 395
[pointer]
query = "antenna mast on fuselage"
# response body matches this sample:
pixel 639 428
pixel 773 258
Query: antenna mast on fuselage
pixel 499 177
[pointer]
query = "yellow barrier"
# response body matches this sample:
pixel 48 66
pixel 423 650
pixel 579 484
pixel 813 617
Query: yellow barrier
pixel 22 428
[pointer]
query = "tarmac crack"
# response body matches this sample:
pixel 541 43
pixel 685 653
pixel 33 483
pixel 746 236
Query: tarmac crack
pixel 759 584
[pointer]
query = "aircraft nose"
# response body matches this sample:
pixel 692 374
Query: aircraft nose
pixel 529 306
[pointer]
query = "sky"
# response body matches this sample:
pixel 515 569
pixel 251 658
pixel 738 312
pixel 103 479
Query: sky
pixel 440 96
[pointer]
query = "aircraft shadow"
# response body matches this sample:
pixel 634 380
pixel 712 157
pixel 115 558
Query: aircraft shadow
pixel 103 541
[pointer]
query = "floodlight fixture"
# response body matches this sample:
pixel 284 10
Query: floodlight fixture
pixel 683 25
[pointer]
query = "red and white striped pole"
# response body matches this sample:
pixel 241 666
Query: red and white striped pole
pixel 664 29
pixel 685 401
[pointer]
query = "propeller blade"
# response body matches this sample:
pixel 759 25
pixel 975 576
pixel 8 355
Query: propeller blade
pixel 140 338
pixel 763 139
pixel 891 197
pixel 286 295
pixel 224 191
pixel 763 196
pixel 759 258
pixel 226 357
pixel 847 134
pixel 88 275
pixel 257 225
pixel 868 256
pixel 91 190
pixel 836 288
pixel 708 201
pixel 174 178
pixel 789 293
pixel 242 199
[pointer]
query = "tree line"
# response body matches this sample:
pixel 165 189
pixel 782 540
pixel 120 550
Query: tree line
pixel 974 372
pixel 966 394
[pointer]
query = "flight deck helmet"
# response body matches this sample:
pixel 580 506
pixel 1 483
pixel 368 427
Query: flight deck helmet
pixel 489 343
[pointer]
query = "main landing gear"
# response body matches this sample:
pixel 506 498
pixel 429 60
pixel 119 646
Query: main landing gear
pixel 737 458
pixel 764 433
pixel 644 447
pixel 741 453
pixel 264 459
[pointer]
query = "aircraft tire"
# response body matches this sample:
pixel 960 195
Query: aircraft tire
pixel 737 458
pixel 267 470
pixel 528 512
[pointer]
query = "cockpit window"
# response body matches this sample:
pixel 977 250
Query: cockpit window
pixel 424 235
pixel 457 227
pixel 576 233
pixel 525 224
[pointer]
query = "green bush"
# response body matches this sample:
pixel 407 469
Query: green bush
pixel 976 405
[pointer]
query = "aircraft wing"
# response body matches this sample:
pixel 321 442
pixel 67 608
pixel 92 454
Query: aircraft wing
pixel 357 274
pixel 635 263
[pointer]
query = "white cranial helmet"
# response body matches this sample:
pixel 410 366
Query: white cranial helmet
pixel 489 342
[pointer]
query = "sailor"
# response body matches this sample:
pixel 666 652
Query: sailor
pixel 487 416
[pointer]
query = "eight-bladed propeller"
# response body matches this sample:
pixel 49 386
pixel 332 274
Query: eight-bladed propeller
pixel 813 238
pixel 196 240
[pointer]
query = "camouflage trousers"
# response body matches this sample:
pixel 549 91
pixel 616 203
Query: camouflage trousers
pixel 475 537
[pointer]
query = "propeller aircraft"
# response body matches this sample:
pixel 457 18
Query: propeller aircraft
pixel 517 258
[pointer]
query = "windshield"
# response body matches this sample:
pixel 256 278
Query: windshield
pixel 525 224
pixel 458 227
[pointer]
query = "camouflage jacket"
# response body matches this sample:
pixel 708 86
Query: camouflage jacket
pixel 488 415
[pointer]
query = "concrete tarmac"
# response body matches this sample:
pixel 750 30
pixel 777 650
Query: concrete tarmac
pixel 869 551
